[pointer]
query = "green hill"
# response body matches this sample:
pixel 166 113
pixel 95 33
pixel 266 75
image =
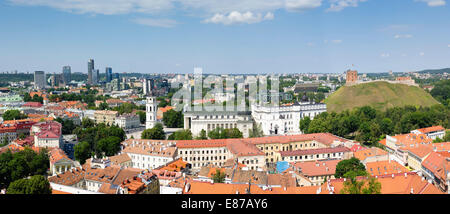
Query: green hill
pixel 380 95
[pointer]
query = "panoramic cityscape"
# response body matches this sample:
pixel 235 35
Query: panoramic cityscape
pixel 202 97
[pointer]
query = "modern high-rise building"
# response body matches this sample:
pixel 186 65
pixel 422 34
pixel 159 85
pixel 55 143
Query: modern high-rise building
pixel 108 73
pixel 39 80
pixel 67 74
pixel 147 86
pixel 95 76
pixel 90 71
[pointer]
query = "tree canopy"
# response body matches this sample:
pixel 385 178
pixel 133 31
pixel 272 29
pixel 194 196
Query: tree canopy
pixel 100 140
pixel 345 167
pixel 155 133
pixel 18 165
pixel 37 184
pixel 13 115
pixel 184 134
pixel 173 119
pixel 368 125
pixel 221 133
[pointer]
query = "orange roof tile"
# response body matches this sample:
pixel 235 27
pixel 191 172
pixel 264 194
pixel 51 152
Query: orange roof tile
pixel 384 168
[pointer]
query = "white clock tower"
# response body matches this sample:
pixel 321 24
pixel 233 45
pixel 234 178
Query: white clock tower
pixel 150 110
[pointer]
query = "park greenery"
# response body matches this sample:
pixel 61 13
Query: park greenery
pixel 221 133
pixel 202 135
pixel 184 134
pixel 155 133
pixel 18 165
pixel 67 125
pixel 37 184
pixel 173 119
pixel 352 166
pixel 368 125
pixel 35 98
pixel 441 92
pixel 99 140
pixel 13 115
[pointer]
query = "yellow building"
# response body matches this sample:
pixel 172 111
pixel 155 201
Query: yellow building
pixel 106 117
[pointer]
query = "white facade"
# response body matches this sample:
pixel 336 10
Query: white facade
pixel 71 189
pixel 203 156
pixel 47 142
pixel 208 121
pixel 281 120
pixel 150 161
pixel 151 112
pixel 128 121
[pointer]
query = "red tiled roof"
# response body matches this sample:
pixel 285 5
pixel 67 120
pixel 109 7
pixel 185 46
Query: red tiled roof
pixel 32 104
pixel 431 129
pixel 317 168
pixel 315 151
pixel 384 168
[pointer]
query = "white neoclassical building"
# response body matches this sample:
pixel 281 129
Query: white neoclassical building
pixel 285 119
pixel 197 121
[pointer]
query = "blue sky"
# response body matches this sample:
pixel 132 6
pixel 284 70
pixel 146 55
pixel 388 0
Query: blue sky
pixel 225 36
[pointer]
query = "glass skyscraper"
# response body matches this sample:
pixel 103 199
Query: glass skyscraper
pixel 90 71
pixel 67 74
pixel 108 72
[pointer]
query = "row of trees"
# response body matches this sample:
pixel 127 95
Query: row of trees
pixel 157 133
pixel 18 165
pixel 368 125
pixel 35 98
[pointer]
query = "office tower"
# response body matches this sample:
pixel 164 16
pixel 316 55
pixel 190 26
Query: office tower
pixel 67 75
pixel 108 72
pixel 90 70
pixel 147 86
pixel 95 76
pixel 39 80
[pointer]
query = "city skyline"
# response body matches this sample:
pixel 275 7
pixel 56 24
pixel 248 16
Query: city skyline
pixel 295 36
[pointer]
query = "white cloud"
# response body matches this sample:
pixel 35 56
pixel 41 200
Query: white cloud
pixel 166 23
pixel 448 46
pixel 335 41
pixel 105 7
pixel 385 55
pixel 421 54
pixel 338 5
pixel 236 17
pixel 434 3
pixel 310 44
pixel 298 5
pixel 206 9
pixel 405 36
